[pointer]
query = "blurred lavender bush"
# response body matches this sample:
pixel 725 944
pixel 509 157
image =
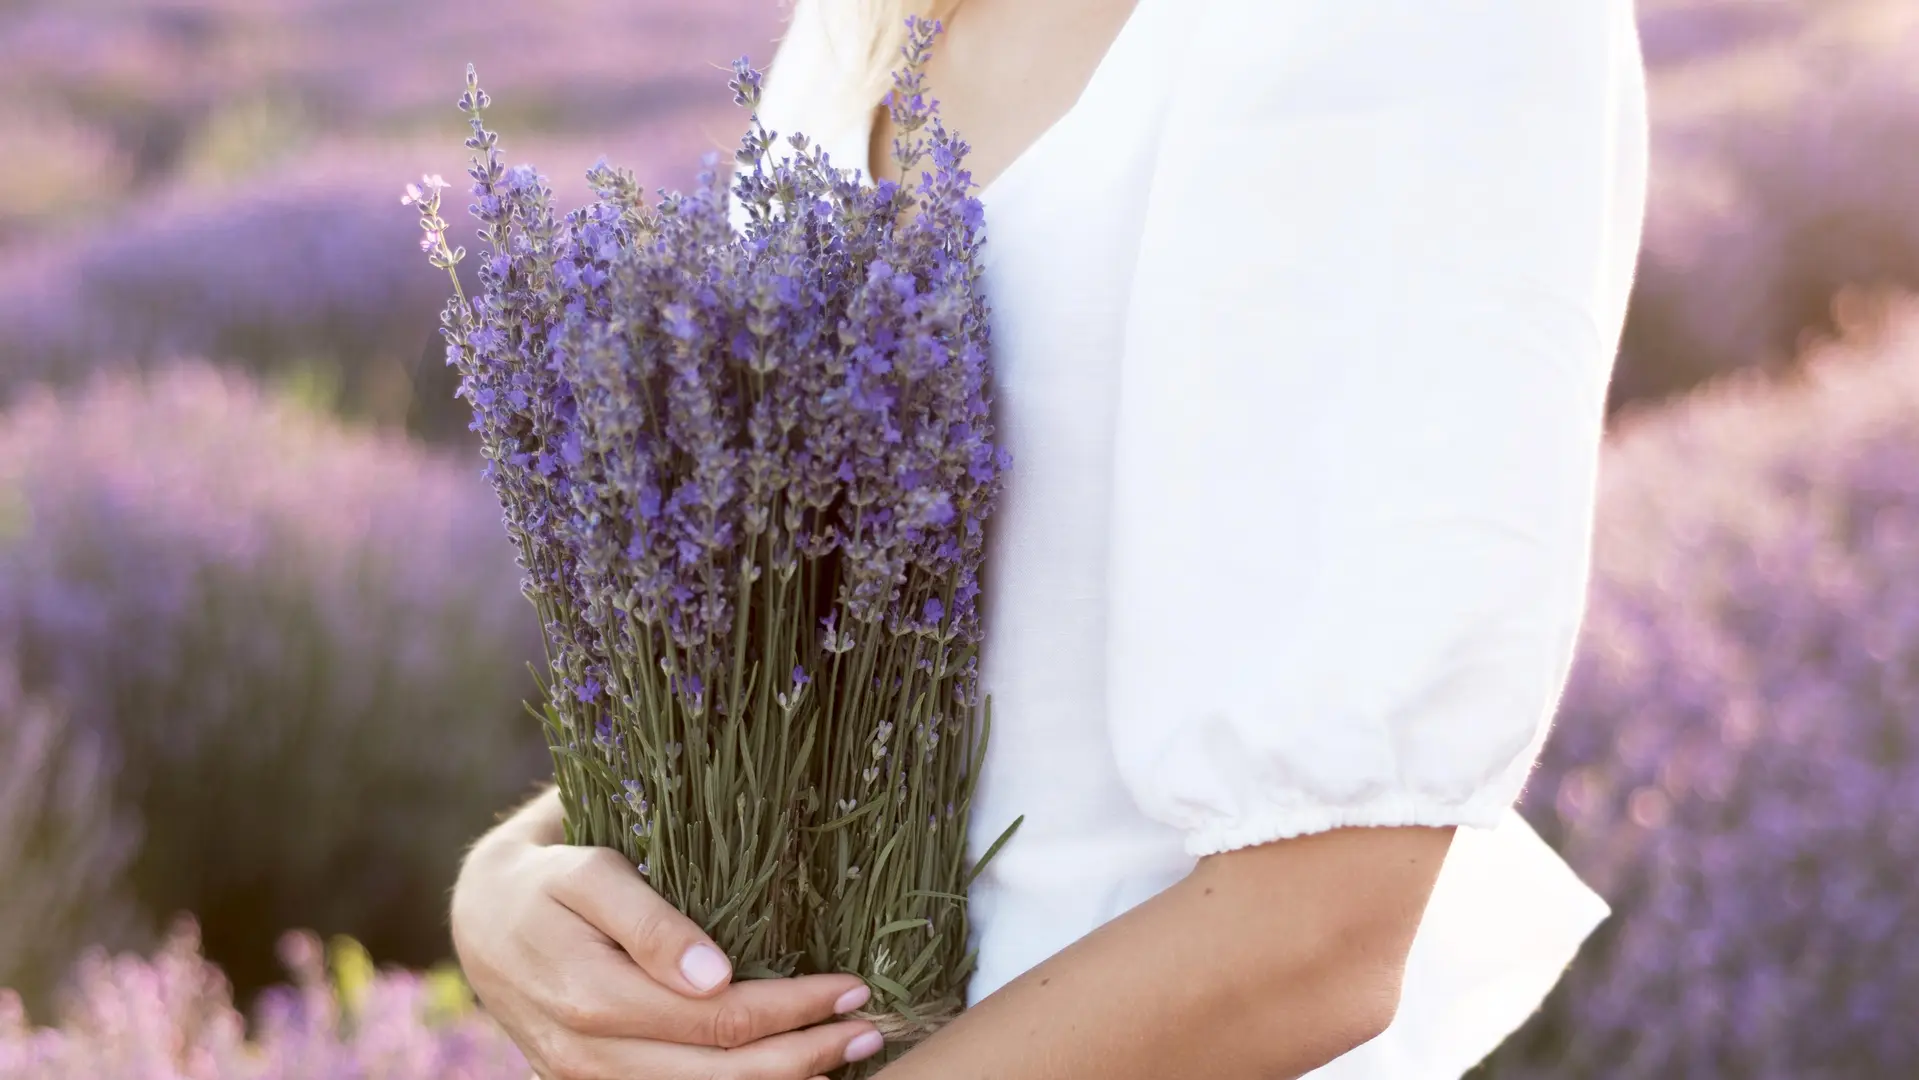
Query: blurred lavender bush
pixel 304 646
pixel 171 86
pixel 60 169
pixel 1736 766
pixel 213 179
pixel 63 849
pixel 172 1017
pixel 298 279
pixel 168 201
pixel 1785 139
pixel 295 276
pixel 1678 32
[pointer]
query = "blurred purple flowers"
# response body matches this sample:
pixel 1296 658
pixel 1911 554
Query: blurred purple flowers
pixel 63 848
pixel 292 278
pixel 288 652
pixel 1736 763
pixel 172 1017
pixel 712 444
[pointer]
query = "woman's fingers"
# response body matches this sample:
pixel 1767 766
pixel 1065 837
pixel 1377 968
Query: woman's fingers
pixel 611 998
pixel 581 962
pixel 750 1011
pixel 605 890
pixel 617 994
pixel 796 1055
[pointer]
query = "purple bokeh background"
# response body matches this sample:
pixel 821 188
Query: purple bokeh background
pixel 262 655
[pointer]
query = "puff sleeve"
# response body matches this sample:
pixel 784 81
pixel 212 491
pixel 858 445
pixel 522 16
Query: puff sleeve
pixel 1380 288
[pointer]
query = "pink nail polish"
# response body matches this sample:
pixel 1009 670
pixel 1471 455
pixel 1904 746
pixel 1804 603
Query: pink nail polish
pixel 852 999
pixel 865 1046
pixel 704 967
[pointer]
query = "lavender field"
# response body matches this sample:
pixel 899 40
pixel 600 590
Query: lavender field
pixel 262 653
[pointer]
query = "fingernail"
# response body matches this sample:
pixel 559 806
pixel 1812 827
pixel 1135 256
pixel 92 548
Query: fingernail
pixel 704 967
pixel 865 1046
pixel 852 999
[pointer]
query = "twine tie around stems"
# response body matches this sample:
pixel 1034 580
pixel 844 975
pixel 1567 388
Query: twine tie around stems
pixel 898 1030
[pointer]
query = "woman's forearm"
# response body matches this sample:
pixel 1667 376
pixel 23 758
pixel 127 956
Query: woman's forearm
pixel 1261 965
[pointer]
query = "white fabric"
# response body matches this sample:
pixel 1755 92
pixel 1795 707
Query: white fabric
pixel 1304 317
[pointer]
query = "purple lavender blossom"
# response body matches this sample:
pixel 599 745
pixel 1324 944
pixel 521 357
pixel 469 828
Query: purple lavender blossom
pixel 654 393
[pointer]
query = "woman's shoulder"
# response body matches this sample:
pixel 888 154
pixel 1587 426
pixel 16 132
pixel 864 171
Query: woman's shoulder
pixel 1254 56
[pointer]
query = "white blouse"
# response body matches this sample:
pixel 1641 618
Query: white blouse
pixel 1304 316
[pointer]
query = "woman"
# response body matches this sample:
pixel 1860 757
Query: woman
pixel 1304 314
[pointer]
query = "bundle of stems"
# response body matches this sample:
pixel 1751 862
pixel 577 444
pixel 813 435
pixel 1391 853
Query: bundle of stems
pixel 748 470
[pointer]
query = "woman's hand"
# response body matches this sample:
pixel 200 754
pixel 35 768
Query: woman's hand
pixel 596 977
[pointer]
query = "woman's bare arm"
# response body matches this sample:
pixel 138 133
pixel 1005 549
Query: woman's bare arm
pixel 1264 964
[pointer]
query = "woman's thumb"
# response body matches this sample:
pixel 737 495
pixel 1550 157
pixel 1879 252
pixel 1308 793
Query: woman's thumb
pixel 608 892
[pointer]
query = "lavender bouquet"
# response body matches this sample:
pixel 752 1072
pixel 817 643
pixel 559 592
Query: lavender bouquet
pixel 748 473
